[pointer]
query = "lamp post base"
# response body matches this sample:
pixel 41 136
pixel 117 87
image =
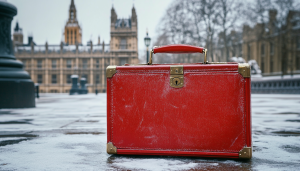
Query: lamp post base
pixel 16 93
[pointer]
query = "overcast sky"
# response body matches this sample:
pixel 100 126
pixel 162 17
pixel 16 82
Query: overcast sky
pixel 45 19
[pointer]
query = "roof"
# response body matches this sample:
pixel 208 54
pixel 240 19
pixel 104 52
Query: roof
pixel 123 23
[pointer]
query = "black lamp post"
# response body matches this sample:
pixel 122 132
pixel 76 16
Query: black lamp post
pixel 16 86
pixel 147 40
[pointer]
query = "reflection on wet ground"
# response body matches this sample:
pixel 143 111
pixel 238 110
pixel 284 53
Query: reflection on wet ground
pixel 22 121
pixel 9 139
pixel 69 133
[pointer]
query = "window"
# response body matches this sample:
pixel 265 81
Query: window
pixel 53 63
pixel 262 49
pixel 54 79
pixel 53 91
pixel 97 79
pixel 123 44
pixel 69 63
pixel 84 64
pixel 40 78
pixel 271 48
pixel 72 15
pixel 123 61
pixel 39 63
pixel 271 64
pixel 249 52
pixel 262 67
pixel 69 80
pixel 298 62
pixel 67 36
pixel 298 42
pixel 97 63
pixel 107 62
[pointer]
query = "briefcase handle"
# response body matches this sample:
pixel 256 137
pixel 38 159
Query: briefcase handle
pixel 177 48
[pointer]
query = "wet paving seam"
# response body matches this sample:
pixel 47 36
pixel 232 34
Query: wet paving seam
pixel 69 123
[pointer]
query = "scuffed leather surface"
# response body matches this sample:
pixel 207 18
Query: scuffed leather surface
pixel 206 115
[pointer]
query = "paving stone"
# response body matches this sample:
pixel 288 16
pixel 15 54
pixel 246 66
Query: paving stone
pixel 69 133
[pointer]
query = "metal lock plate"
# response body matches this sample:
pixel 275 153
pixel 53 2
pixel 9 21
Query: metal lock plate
pixel 176 76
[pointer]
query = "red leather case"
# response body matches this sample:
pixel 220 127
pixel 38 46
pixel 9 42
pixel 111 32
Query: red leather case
pixel 208 116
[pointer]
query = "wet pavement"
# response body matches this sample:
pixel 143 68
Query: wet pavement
pixel 69 133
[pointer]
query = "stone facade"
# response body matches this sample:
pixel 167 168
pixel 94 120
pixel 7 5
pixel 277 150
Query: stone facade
pixel 276 49
pixel 51 66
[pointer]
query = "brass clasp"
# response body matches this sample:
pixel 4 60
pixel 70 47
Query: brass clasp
pixel 176 76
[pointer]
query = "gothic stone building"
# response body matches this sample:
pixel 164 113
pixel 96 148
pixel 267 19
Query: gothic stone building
pixel 276 49
pixel 51 66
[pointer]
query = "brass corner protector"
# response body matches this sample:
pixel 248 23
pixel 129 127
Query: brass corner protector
pixel 111 70
pixel 110 148
pixel 244 70
pixel 245 153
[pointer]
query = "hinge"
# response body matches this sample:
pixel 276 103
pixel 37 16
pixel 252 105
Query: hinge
pixel 244 70
pixel 110 71
pixel 245 153
pixel 176 76
pixel 110 148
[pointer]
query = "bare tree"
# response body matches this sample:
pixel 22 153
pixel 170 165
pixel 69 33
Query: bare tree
pixel 197 22
pixel 204 19
pixel 229 13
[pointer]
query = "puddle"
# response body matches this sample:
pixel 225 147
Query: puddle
pixel 22 121
pixel 76 133
pixel 7 113
pixel 18 135
pixel 288 113
pixel 294 120
pixel 287 133
pixel 10 142
pixel 22 137
pixel 291 148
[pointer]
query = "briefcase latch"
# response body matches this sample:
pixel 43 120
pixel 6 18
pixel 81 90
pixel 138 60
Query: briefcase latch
pixel 176 76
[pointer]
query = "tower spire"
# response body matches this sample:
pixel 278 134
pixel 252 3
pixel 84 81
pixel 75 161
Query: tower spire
pixel 72 12
pixel 72 34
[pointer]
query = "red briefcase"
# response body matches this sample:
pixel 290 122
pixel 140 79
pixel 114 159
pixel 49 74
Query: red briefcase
pixel 200 109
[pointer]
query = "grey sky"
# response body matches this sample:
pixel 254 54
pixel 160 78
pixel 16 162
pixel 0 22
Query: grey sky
pixel 45 19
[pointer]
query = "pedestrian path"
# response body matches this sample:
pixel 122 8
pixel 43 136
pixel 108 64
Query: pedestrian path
pixel 68 132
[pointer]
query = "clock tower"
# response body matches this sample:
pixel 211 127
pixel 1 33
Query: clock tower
pixel 72 29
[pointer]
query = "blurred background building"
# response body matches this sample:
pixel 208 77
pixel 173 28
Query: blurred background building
pixel 267 31
pixel 276 49
pixel 51 66
pixel 264 32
